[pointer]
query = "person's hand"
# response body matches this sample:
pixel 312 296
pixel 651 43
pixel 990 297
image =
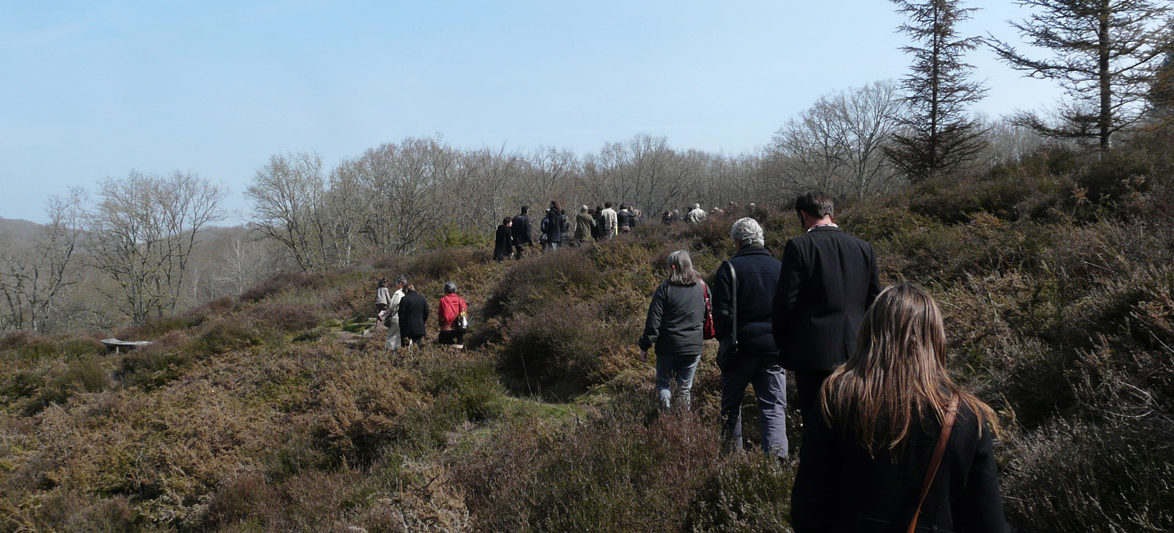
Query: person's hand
pixel 643 355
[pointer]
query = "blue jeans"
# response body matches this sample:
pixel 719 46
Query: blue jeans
pixel 770 389
pixel 678 367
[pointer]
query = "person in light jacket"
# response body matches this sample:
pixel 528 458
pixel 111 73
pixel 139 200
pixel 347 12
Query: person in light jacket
pixel 866 452
pixel 392 314
pixel 675 324
pixel 382 298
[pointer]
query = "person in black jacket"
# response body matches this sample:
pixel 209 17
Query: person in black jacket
pixel 675 326
pixel 552 225
pixel 867 452
pixel 503 242
pixel 521 230
pixel 413 313
pixel 827 282
pixel 756 358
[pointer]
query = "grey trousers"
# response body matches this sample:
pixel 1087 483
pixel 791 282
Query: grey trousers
pixel 770 389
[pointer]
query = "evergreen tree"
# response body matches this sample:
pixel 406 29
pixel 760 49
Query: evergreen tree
pixel 937 134
pixel 1104 56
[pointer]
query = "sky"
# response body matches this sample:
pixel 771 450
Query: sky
pixel 95 89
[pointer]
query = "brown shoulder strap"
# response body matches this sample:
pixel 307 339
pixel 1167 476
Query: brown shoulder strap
pixel 936 461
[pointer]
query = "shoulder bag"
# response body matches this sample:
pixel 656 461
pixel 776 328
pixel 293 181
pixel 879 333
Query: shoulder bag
pixel 936 462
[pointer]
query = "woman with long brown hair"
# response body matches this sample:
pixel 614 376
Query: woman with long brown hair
pixel 899 445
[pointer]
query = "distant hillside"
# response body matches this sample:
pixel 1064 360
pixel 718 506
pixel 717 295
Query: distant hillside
pixel 278 409
pixel 18 229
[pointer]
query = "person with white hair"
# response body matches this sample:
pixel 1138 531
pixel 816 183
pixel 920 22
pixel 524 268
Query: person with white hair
pixel 696 215
pixel 584 226
pixel 743 292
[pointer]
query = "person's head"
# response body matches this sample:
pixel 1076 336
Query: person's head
pixel 556 206
pixel 525 209
pixel 382 282
pixel 813 207
pixel 696 206
pixel 681 268
pixel 401 281
pixel 583 208
pixel 507 221
pixel 607 205
pixel 747 232
pixel 623 207
pixel 897 375
pixel 450 287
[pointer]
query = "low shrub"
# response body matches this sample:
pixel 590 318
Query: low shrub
pixel 358 405
pixel 1071 475
pixel 440 264
pixel 747 492
pixel 27 345
pixel 280 282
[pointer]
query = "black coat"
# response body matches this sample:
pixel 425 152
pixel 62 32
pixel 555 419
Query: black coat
pixel 503 243
pixel 839 488
pixel 413 313
pixel 521 230
pixel 757 277
pixel 553 226
pixel 827 282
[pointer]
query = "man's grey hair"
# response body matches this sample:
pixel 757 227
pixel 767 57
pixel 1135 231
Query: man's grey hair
pixel 696 206
pixel 450 287
pixel 681 268
pixel 401 280
pixel 747 231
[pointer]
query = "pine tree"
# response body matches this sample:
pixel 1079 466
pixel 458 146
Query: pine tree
pixel 937 133
pixel 1104 55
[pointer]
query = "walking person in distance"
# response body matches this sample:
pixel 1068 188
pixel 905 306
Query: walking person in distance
pixel 413 314
pixel 520 225
pixel 451 310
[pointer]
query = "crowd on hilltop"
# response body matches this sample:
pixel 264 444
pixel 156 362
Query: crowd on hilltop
pixel 558 229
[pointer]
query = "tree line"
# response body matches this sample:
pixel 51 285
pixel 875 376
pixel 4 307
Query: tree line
pixel 144 249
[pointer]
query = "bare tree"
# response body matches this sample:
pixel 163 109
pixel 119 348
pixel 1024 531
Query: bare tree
pixel 937 135
pixel 837 144
pixel 286 194
pixel 144 230
pixel 1105 54
pixel 35 274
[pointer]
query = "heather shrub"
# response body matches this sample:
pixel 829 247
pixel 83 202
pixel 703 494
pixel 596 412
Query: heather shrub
pixel 524 287
pixel 747 492
pixel 225 335
pixel 27 345
pixel 285 316
pixel 558 352
pixel 356 407
pixel 442 263
pixel 629 469
pixel 1072 475
pixel 280 282
pixel 155 364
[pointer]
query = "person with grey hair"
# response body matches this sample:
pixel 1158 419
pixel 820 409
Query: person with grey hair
pixel 743 293
pixel 451 307
pixel 675 327
pixel 696 215
pixel 584 226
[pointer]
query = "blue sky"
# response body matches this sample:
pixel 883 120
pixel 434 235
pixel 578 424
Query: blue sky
pixel 96 89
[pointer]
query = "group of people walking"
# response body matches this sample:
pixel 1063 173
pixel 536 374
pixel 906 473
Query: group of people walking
pixel 890 442
pixel 558 229
pixel 405 313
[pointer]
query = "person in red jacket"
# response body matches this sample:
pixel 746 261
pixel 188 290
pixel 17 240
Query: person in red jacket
pixel 451 307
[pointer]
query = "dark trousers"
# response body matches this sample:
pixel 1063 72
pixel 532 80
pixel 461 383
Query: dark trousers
pixel 451 336
pixel 770 390
pixel 808 383
pixel 518 251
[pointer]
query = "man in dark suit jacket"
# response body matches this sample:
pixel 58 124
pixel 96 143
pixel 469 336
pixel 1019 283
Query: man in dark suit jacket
pixel 827 282
pixel 521 230
pixel 413 313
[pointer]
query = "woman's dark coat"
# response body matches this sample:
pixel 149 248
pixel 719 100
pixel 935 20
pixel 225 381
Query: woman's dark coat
pixel 503 243
pixel 840 489
pixel 675 320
